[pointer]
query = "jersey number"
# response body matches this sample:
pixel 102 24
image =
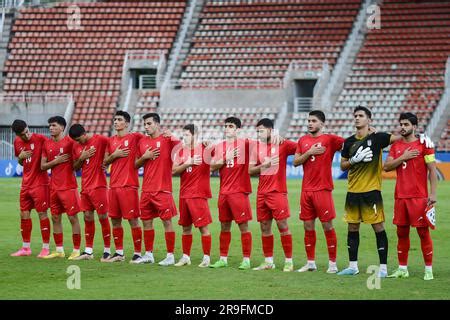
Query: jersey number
pixel 189 169
pixel 230 164
pixel 404 165
pixel 313 158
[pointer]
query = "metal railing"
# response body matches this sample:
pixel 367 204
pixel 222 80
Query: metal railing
pixel 27 97
pixel 149 81
pixel 443 103
pixel 150 55
pixel 179 44
pixel 314 66
pixel 7 140
pixel 220 84
pixel 302 104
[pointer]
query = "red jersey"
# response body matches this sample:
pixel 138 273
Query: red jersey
pixel 123 173
pixel 158 172
pixel 92 174
pixel 234 176
pixel 317 169
pixel 195 180
pixel 63 176
pixel 412 174
pixel 272 179
pixel 33 176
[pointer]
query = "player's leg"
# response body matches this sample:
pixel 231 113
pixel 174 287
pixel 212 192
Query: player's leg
pixel 373 213
pixel 169 235
pixel 264 217
pixel 267 245
pixel 186 245
pixel 89 233
pixel 166 209
pixel 44 222
pixel 286 243
pixel 149 239
pixel 206 246
pixel 353 219
pixel 26 205
pixel 117 232
pixel 224 244
pixel 106 235
pixel 426 245
pixel 330 236
pixel 310 246
pixel 308 215
pixel 25 229
pixel 401 220
pixel 246 243
pixel 76 236
pixel 57 236
pixel 136 235
pixel 225 218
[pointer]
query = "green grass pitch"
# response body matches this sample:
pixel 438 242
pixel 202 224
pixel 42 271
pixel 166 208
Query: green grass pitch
pixel 32 278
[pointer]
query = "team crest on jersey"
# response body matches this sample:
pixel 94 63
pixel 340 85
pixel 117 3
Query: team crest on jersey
pixel 61 150
pixel 32 146
pixel 126 143
pixel 158 144
pixel 369 142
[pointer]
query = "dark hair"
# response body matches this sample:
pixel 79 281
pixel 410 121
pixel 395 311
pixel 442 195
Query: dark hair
pixel 18 126
pixel 266 123
pixel 59 120
pixel 366 111
pixel 76 131
pixel 234 120
pixel 154 116
pixel 411 117
pixel 318 114
pixel 193 129
pixel 124 114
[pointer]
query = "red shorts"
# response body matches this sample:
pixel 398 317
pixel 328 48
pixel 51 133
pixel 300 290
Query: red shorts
pixel 123 203
pixel 65 201
pixel 317 204
pixel 235 206
pixel 410 212
pixel 273 205
pixel 95 199
pixel 36 198
pixel 194 211
pixel 157 205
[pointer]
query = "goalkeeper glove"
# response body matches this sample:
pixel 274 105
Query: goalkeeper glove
pixel 364 155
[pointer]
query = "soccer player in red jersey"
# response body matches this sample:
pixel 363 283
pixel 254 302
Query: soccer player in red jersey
pixel 155 155
pixel 192 163
pixel 412 161
pixel 231 158
pixel 315 152
pixel 34 191
pixel 269 162
pixel 64 197
pixel 123 186
pixel 88 155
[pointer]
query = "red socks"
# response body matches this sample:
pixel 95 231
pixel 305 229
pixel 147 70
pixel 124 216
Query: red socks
pixel 89 232
pixel 45 230
pixel 206 245
pixel 170 241
pixel 149 239
pixel 76 239
pixel 310 244
pixel 403 245
pixel 136 233
pixel 286 242
pixel 118 237
pixel 427 245
pixel 267 245
pixel 246 240
pixel 25 228
pixel 225 239
pixel 106 232
pixel 186 242
pixel 330 236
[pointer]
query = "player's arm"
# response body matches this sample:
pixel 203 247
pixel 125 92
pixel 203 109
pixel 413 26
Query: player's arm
pixel 345 164
pixel 23 155
pixel 85 154
pixel 118 153
pixel 431 166
pixel 254 169
pixel 45 165
pixel 178 168
pixel 392 163
pixel 218 163
pixel 149 154
pixel 301 158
